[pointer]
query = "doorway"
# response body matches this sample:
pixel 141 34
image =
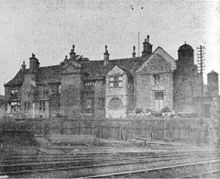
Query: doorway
pixel 158 100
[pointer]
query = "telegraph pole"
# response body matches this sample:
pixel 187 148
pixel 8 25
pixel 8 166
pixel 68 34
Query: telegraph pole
pixel 201 59
pixel 201 65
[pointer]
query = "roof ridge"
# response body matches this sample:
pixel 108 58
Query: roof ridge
pixel 114 59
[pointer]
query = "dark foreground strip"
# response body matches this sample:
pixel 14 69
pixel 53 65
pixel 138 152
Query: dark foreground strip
pixel 199 175
pixel 121 174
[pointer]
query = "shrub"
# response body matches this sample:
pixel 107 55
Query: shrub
pixel 148 110
pixel 19 131
pixel 157 114
pixel 187 115
pixel 166 109
pixel 139 110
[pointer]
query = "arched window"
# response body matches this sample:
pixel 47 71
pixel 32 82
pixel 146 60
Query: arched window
pixel 115 103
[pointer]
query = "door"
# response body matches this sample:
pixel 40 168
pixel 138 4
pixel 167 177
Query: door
pixel 158 100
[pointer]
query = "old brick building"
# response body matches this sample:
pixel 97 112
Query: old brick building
pixel 106 88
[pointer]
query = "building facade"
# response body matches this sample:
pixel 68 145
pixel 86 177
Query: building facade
pixel 109 88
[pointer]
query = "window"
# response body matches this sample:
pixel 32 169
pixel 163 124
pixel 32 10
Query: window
pixel 159 95
pixel 27 106
pixel 101 102
pixel 36 93
pixel 14 93
pixel 116 81
pixel 88 103
pixel 115 104
pixel 156 78
pixel 15 106
pixel 42 106
pixel 111 82
pixel 45 92
pixel 59 89
pixel 89 85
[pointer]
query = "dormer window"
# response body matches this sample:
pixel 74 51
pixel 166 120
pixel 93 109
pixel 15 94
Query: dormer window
pixel 156 78
pixel 14 93
pixel 116 81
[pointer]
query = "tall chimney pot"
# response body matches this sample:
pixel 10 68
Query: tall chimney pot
pixel 72 53
pixel 106 56
pixel 23 66
pixel 134 53
pixel 147 47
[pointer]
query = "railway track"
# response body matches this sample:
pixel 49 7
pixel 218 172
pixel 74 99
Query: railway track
pixel 184 170
pixel 207 174
pixel 83 165
pixel 86 157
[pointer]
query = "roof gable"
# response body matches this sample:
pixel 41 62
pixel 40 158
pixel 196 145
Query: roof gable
pixel 17 80
pixel 159 61
pixel 71 68
pixel 116 70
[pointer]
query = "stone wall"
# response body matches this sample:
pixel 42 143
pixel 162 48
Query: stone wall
pixel 155 75
pixel 187 85
pixel 99 92
pixel 188 130
pixel 145 87
pixel 71 96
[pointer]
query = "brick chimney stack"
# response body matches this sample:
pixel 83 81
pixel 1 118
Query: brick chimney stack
pixel 106 56
pixel 23 66
pixel 34 63
pixel 147 47
pixel 72 53
pixel 134 53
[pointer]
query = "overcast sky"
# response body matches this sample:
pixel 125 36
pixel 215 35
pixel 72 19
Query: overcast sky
pixel 48 28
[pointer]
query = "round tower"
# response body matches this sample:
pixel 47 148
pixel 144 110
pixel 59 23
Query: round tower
pixel 212 80
pixel 185 55
pixel 184 80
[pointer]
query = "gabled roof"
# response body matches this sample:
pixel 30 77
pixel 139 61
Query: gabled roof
pixel 94 69
pixel 49 74
pixel 17 80
pixel 160 52
pixel 120 68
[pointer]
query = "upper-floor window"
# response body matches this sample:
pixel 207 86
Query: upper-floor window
pixel 101 102
pixel 27 106
pixel 15 106
pixel 59 89
pixel 89 85
pixel 45 92
pixel 42 106
pixel 115 81
pixel 156 78
pixel 14 93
